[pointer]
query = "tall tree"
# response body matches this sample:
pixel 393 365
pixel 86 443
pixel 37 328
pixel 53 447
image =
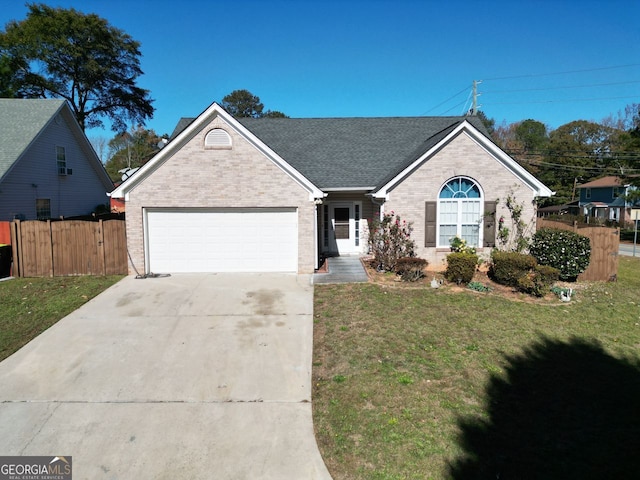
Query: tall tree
pixel 533 135
pixel 580 150
pixel 243 104
pixel 64 53
pixel 131 149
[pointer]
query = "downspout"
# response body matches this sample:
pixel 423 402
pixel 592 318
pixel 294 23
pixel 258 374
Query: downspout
pixel 379 202
pixel 317 202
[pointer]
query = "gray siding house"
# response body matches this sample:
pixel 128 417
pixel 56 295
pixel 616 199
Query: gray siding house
pixel 48 168
pixel 276 194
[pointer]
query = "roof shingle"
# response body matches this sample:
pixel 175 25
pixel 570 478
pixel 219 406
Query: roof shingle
pixel 349 153
pixel 20 122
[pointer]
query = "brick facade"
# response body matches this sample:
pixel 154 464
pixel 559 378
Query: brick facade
pixel 240 176
pixel 461 157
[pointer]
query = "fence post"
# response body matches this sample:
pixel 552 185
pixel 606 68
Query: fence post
pixel 101 247
pixel 15 247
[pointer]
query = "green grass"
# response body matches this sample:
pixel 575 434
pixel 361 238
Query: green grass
pixel 437 383
pixel 28 306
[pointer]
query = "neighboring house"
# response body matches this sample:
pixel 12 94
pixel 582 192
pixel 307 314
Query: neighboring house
pixel 604 199
pixel 276 194
pixel 48 168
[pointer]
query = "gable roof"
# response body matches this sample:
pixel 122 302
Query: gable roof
pixel 438 141
pixel 349 153
pixel 189 128
pixel 23 120
pixel 353 154
pixel 610 181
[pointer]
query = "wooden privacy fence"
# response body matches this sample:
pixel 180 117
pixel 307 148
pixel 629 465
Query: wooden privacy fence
pixel 605 246
pixel 68 247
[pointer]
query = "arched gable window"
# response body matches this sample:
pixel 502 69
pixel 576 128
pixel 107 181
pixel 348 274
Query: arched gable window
pixel 460 212
pixel 217 138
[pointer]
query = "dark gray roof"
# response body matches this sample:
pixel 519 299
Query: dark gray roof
pixel 21 121
pixel 363 153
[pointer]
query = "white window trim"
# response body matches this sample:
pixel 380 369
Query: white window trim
pixel 60 167
pixel 480 200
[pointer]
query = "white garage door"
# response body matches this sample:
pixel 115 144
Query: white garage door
pixel 222 240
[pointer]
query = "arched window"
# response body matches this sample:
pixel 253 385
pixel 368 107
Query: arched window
pixel 217 138
pixel 460 212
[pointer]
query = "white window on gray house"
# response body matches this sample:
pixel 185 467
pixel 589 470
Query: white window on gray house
pixel 43 208
pixel 587 193
pixel 460 212
pixel 217 138
pixel 61 160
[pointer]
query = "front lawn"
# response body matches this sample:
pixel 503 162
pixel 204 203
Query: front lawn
pixel 421 383
pixel 28 306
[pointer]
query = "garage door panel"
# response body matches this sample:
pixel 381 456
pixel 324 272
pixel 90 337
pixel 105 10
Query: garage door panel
pixel 233 240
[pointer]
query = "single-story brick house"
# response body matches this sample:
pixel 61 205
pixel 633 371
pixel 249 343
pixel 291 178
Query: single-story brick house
pixel 275 194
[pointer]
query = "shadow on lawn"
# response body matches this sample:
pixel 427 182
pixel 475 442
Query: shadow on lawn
pixel 563 410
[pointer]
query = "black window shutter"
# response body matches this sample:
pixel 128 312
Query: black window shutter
pixel 430 219
pixel 489 221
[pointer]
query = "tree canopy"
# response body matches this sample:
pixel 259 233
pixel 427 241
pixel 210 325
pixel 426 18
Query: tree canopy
pixel 64 53
pixel 576 152
pixel 131 149
pixel 243 104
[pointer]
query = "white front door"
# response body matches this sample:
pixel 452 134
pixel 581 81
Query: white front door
pixel 345 227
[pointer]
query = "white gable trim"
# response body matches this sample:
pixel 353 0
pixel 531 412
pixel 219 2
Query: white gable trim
pixel 188 133
pixel 539 189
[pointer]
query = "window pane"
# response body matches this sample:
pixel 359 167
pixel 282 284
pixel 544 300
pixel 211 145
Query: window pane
pixel 460 188
pixel 470 211
pixel 470 233
pixel 448 212
pixel 43 208
pixel 447 232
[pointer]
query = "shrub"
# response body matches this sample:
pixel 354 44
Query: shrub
pixel 538 281
pixel 459 245
pixel 411 269
pixel 390 240
pixel 567 251
pixel 478 287
pixel 508 267
pixel 461 266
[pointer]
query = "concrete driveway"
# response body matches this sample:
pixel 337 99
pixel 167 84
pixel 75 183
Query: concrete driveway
pixel 188 376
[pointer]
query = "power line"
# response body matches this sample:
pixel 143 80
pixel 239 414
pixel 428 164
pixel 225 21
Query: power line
pixel 561 88
pixel 531 75
pixel 566 100
pixel 448 99
pixel 562 166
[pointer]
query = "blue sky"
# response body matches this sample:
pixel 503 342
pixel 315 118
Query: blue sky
pixel 553 61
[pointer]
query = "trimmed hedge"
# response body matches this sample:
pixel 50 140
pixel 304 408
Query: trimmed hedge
pixel 461 267
pixel 411 269
pixel 538 281
pixel 507 268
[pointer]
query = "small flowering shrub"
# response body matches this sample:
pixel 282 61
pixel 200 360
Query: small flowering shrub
pixel 461 266
pixel 390 240
pixel 459 245
pixel 567 251
pixel 411 269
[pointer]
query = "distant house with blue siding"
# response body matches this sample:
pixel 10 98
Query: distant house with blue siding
pixel 603 199
pixel 48 168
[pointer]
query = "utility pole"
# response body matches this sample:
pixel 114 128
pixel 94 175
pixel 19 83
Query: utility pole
pixel 474 108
